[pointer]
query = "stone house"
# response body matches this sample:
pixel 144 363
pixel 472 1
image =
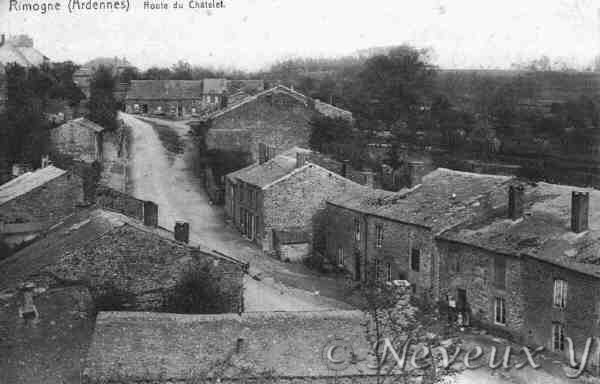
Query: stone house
pixel 259 347
pixel 376 234
pixel 284 193
pixel 35 201
pixel 80 139
pixel 110 252
pixel 279 117
pixel 175 98
pixel 529 269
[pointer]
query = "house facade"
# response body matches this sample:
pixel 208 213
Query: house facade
pixel 173 98
pixel 529 269
pixel 386 236
pixel 279 117
pixel 283 194
pixel 80 139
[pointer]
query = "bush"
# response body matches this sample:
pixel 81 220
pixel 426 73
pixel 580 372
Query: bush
pixel 197 292
pixel 111 298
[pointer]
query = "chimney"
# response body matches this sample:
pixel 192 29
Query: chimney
pixel 369 178
pixel 344 172
pixel 516 196
pixel 182 231
pixel 28 310
pixel 580 204
pixel 150 214
pixel 262 153
pixel 300 159
pixel 239 345
pixel 270 152
pixel 416 171
pixel 2 39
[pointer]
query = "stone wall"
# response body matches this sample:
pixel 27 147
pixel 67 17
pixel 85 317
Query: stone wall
pixel 528 294
pixel 398 241
pixel 77 142
pixel 298 203
pixel 337 379
pixel 278 120
pixel 582 312
pixel 48 203
pixel 145 267
pixel 472 269
pixel 114 200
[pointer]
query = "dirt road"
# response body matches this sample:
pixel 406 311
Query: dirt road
pixel 166 178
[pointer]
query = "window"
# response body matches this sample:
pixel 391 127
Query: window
pixel 340 256
pixel 415 259
pixel 389 272
pixel 357 229
pixel 500 272
pixel 377 270
pixel 558 337
pixel 500 311
pixel 560 293
pixel 379 233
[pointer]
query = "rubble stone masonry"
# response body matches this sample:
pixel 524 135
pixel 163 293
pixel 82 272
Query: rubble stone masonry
pixel 46 204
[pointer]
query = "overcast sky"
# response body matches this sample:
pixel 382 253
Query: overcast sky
pixel 249 34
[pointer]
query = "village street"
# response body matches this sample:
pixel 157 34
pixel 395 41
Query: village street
pixel 158 174
pixel 165 176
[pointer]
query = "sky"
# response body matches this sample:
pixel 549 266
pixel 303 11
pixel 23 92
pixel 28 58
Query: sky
pixel 251 34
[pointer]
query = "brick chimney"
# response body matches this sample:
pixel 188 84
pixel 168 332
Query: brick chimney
pixel 415 173
pixel 300 159
pixel 182 231
pixel 262 153
pixel 369 178
pixel 344 172
pixel 516 197
pixel 28 311
pixel 150 214
pixel 580 204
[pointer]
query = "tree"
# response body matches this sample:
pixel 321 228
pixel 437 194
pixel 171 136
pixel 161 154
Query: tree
pixel 128 74
pixel 396 316
pixel 181 71
pixel 197 292
pixel 26 128
pixel 102 105
pixel 394 86
pixel 64 87
pixel 156 73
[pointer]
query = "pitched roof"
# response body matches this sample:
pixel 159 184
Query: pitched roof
pixel 168 347
pixel 544 231
pixel 323 108
pixel 28 182
pixel 165 89
pixel 88 227
pixel 82 123
pixel 443 199
pixel 212 86
pixel 33 56
pixel 261 175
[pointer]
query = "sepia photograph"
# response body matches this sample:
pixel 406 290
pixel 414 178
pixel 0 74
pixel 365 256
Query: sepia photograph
pixel 295 192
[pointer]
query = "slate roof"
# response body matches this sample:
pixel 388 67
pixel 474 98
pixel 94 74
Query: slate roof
pixel 138 346
pixel 82 123
pixel 83 228
pixel 165 89
pixel 543 233
pixel 28 182
pixel 443 199
pixel 24 56
pixel 261 175
pixel 323 108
